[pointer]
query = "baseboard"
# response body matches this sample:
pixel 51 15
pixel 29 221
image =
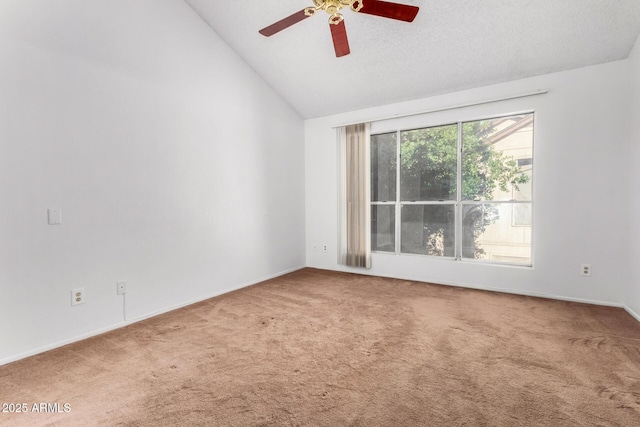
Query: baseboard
pixel 634 314
pixel 61 343
pixel 538 295
pixel 489 288
pixel 119 325
pixel 213 295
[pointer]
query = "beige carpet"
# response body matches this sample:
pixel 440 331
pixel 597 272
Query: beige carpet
pixel 317 348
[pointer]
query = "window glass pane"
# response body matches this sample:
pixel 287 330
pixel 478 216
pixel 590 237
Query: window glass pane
pixel 497 232
pixel 428 229
pixel 497 158
pixel 429 164
pixel 383 167
pixel 383 228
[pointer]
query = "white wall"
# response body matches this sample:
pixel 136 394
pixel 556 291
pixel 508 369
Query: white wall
pixel 580 185
pixel 176 168
pixel 633 290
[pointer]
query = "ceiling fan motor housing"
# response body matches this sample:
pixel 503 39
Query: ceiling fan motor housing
pixel 333 6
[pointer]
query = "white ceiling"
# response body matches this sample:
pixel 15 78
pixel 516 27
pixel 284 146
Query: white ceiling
pixel 451 45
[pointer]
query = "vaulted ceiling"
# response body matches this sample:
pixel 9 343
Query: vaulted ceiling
pixel 451 45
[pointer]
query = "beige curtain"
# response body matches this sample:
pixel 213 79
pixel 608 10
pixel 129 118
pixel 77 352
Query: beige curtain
pixel 355 230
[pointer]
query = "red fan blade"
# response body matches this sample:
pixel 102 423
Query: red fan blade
pixel 401 12
pixel 283 23
pixel 340 41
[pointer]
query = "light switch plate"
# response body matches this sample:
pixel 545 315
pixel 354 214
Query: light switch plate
pixel 55 216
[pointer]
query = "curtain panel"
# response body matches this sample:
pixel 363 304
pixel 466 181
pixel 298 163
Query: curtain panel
pixel 355 211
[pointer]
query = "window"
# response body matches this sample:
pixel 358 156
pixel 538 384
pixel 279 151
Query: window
pixel 383 192
pixel 460 190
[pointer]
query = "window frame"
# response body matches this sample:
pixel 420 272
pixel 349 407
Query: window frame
pixel 458 202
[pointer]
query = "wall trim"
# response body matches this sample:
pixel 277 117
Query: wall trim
pixel 123 324
pixel 136 319
pixel 632 313
pixel 495 289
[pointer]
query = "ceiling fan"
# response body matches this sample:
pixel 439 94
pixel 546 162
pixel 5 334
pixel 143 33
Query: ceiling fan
pixel 385 9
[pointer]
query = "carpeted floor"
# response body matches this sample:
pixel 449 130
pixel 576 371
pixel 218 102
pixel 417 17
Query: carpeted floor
pixel 318 348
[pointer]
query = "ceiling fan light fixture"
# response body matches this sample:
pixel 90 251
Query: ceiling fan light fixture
pixel 336 18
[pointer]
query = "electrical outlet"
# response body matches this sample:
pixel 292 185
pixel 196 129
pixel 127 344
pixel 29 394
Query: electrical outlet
pixel 77 296
pixel 324 248
pixel 585 269
pixel 121 287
